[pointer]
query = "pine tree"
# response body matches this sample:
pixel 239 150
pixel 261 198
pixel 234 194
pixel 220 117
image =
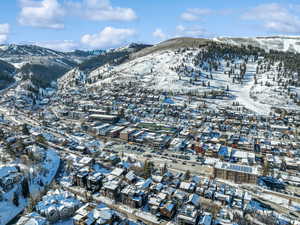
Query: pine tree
pixel 187 175
pixel 16 199
pixel 266 168
pixel 25 188
pixel 283 165
pixel 69 165
pixel 1 134
pixel 147 169
pixel 164 169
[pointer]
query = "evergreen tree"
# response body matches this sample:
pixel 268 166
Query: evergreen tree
pixel 25 188
pixel 164 169
pixel 266 168
pixel 2 135
pixel 15 199
pixel 187 175
pixel 283 165
pixel 148 166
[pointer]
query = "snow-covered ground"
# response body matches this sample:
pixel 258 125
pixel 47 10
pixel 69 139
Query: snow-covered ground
pixel 64 222
pixel 243 97
pixel 152 70
pixel 278 43
pixel 243 94
pixel 273 94
pixel 51 164
pixel 8 209
pixel 19 65
pixel 280 201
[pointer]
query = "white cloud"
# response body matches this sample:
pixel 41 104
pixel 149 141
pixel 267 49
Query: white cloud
pixel 101 10
pixel 195 14
pixel 275 17
pixel 191 31
pixel 50 13
pixel 4 32
pixel 107 38
pixel 158 33
pixel 45 14
pixel 4 28
pixel 189 16
pixel 65 45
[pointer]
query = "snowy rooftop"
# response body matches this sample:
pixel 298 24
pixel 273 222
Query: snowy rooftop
pixel 237 168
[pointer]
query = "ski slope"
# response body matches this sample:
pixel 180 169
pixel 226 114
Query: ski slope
pixel 156 71
pixel 243 93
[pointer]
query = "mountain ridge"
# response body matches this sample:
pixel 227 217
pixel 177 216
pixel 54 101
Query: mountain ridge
pixel 268 43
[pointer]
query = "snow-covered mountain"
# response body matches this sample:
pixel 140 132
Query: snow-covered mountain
pixel 180 65
pixel 18 55
pixel 28 73
pixel 36 69
pixel 279 43
pixel 7 72
pixel 198 66
pixel 158 66
pixel 174 43
pixel 110 57
pixel 172 65
pixel 41 65
pixel 130 56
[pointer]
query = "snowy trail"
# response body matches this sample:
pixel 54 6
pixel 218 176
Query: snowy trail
pixel 243 94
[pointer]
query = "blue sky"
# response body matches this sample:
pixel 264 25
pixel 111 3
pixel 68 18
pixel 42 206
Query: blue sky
pixel 100 24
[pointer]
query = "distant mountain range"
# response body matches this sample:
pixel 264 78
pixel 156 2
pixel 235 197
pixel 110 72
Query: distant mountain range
pixel 41 65
pixel 279 43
